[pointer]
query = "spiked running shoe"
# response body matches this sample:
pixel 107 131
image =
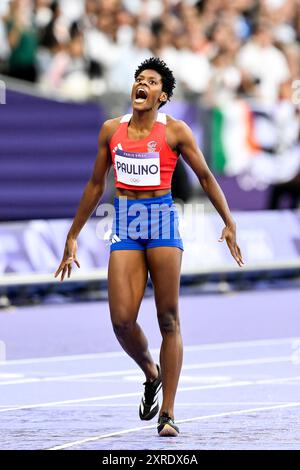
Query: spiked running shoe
pixel 149 405
pixel 166 426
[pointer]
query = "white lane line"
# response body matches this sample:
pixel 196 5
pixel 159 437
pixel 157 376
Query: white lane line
pixel 93 375
pixel 5 406
pixel 60 378
pixel 241 383
pixel 198 418
pixel 178 405
pixel 201 347
pixel 63 402
pixel 72 357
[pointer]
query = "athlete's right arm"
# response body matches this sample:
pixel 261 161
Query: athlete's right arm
pixel 89 200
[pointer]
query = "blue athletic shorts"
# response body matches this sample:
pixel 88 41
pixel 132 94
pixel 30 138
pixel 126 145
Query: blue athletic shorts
pixel 140 224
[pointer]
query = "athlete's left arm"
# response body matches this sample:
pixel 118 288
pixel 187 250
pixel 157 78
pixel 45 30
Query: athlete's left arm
pixel 188 148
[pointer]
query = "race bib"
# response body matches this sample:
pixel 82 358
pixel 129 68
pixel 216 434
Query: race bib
pixel 137 168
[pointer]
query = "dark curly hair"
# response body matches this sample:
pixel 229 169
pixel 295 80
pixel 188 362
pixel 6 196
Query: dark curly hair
pixel 168 79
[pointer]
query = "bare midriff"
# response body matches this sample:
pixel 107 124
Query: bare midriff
pixel 120 192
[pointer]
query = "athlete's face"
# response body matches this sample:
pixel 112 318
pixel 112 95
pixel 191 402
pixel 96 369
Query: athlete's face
pixel 147 91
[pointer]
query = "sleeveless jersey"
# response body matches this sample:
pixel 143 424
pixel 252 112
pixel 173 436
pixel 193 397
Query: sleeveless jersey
pixel 145 164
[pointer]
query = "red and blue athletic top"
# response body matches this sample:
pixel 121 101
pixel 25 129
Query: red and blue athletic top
pixel 145 164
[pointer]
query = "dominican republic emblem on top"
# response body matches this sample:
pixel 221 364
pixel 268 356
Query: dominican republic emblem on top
pixel 151 146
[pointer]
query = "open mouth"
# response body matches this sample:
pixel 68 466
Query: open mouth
pixel 140 95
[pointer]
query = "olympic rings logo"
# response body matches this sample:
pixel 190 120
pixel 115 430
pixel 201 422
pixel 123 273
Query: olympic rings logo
pixel 134 180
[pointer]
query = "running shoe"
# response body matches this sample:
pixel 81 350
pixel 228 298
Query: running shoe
pixel 149 405
pixel 166 426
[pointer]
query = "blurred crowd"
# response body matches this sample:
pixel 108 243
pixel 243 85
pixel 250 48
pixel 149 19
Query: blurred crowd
pixel 218 49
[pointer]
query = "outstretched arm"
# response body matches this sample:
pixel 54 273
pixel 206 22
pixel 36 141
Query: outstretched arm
pixel 191 153
pixel 90 198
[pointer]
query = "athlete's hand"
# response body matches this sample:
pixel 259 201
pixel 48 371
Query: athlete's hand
pixel 229 234
pixel 69 256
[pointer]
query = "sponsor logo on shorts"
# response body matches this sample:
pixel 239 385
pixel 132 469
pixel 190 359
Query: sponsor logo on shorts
pixel 115 239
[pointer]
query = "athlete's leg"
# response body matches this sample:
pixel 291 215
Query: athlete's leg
pixel 164 265
pixel 127 277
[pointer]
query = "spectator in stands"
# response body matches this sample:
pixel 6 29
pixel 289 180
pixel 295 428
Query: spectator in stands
pixel 264 63
pixel 49 42
pixel 292 54
pixel 187 35
pixel 100 41
pixel 54 33
pixel 42 13
pixel 119 76
pixel 4 47
pixel 225 80
pixel 23 41
pixel 89 18
pixel 287 191
pixel 68 73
